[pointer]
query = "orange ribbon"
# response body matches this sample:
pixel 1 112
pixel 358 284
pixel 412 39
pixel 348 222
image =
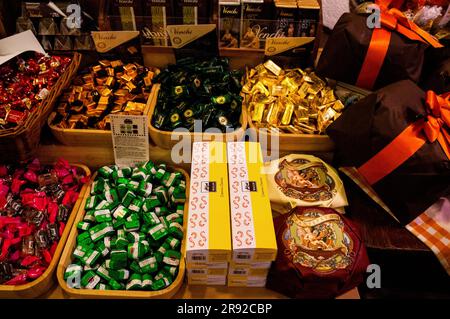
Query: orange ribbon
pixel 391 20
pixel 435 127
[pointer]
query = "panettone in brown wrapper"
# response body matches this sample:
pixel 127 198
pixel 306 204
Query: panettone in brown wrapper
pixel 369 127
pixel 346 49
pixel 320 254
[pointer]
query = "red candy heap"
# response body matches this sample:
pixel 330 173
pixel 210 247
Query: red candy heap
pixel 35 203
pixel 24 82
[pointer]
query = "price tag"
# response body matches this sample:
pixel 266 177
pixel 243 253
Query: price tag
pixel 130 139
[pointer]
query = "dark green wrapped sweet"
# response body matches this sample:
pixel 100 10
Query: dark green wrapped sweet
pixel 205 91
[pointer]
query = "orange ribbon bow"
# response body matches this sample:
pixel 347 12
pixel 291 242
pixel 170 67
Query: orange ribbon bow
pixel 391 20
pixel 435 127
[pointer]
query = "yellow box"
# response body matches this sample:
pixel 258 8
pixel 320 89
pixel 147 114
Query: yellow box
pixel 246 281
pixel 207 271
pixel 257 265
pixel 193 265
pixel 252 230
pixel 207 280
pixel 246 272
pixel 208 236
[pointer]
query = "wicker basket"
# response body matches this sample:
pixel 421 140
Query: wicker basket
pixel 87 137
pixel 47 280
pixel 167 140
pixel 66 259
pixel 20 143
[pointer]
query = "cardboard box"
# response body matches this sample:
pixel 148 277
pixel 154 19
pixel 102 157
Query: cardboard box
pixel 246 281
pixel 252 230
pixel 208 237
pixel 254 265
pixel 229 23
pixel 207 271
pixel 308 18
pixel 286 17
pixel 191 11
pixel 157 17
pixel 257 24
pixel 207 280
pixel 247 271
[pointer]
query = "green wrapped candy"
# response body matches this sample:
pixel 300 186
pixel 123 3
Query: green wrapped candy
pixel 103 215
pixel 90 280
pixel 135 282
pixel 148 265
pixel 172 258
pixel 83 225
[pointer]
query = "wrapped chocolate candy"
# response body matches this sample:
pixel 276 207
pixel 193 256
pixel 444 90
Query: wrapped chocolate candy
pixel 30 223
pixel 130 239
pixel 289 101
pixel 109 87
pixel 24 82
pixel 198 90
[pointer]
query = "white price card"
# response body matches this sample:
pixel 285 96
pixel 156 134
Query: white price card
pixel 130 139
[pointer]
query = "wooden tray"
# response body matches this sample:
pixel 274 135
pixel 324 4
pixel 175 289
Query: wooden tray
pixel 289 141
pixel 66 259
pixel 301 142
pixel 164 140
pixel 47 280
pixel 87 137
pixel 21 142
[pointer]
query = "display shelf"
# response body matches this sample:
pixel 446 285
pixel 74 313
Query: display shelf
pixel 211 292
pixel 160 56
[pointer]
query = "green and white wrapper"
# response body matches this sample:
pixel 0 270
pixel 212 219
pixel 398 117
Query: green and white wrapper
pixel 120 274
pixel 150 203
pixel 150 218
pixel 91 202
pixel 121 212
pixel 90 258
pixel 103 215
pixel 89 216
pixel 132 223
pixel 90 280
pixel 138 175
pixel 157 232
pixel 115 285
pixel 176 230
pixel 173 242
pixel 104 273
pixel 128 198
pixel 172 217
pixel 136 205
pixel 102 249
pixel 172 258
pixel 133 186
pixel 145 188
pixel 135 282
pixel 136 251
pixel 148 265
pixel 161 211
pixel 102 205
pixel 147 281
pixel 100 231
pixel 82 225
pixel 111 196
pixel 105 171
pixel 135 237
pixel 150 167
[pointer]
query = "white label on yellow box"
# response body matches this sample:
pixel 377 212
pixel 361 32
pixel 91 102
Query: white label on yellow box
pixel 253 234
pixel 207 280
pixel 254 265
pixel 196 265
pixel 261 272
pixel 208 234
pixel 208 271
pixel 246 281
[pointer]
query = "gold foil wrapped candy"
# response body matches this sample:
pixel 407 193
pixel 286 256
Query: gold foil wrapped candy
pixel 107 87
pixel 289 101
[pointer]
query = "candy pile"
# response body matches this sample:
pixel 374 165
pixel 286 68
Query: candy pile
pixel 24 82
pixel 35 203
pixel 109 87
pixel 289 101
pixel 130 237
pixel 206 91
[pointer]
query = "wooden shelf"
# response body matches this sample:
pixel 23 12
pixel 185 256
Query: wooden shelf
pixel 211 292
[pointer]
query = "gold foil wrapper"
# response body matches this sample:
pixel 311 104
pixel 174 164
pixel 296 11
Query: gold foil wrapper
pixel 290 101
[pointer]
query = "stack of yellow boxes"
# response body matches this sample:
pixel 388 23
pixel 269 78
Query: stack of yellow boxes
pixel 253 237
pixel 208 240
